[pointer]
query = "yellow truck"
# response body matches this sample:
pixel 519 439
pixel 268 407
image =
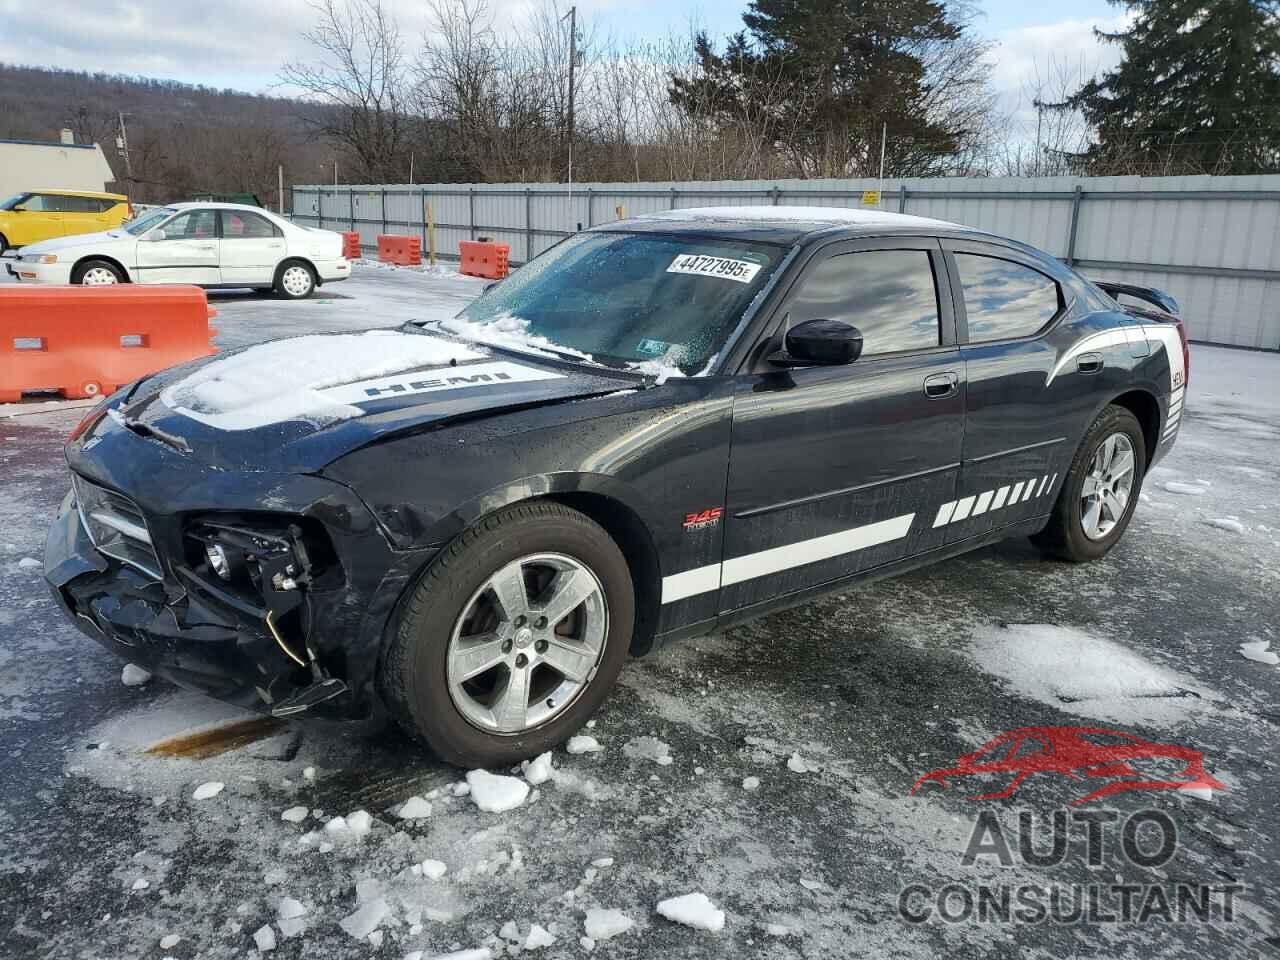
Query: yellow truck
pixel 48 214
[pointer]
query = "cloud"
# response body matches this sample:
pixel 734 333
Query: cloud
pixel 230 43
pixel 1063 54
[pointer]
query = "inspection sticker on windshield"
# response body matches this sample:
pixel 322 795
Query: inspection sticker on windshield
pixel 743 271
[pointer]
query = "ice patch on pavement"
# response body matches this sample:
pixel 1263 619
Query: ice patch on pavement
pixel 133 675
pixel 1229 524
pixel 648 748
pixel 602 924
pixel 1193 489
pixel 1084 674
pixel 282 380
pixel 1257 651
pixel 583 743
pixel 538 770
pixel 693 910
pixel 415 808
pixel 208 790
pixel 494 793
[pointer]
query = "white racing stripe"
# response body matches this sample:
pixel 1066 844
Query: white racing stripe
pixel 680 586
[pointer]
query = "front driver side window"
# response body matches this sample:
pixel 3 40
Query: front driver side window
pixel 889 295
pixel 196 225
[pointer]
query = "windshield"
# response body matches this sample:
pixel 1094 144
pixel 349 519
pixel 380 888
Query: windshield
pixel 656 304
pixel 149 220
pixel 13 201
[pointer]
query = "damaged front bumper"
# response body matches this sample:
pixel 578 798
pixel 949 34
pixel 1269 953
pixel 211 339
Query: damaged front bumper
pixel 196 643
pixel 186 629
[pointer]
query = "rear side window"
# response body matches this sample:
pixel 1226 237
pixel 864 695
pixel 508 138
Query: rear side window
pixel 1004 299
pixel 889 295
pixel 237 224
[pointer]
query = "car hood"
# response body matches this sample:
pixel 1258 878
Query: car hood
pixel 79 240
pixel 298 404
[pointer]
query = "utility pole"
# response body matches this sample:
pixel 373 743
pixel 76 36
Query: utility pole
pixel 1039 105
pixel 280 188
pixel 335 171
pixel 123 146
pixel 572 16
pixel 884 141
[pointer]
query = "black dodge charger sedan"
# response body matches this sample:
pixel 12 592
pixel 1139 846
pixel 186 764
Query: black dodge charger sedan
pixel 657 428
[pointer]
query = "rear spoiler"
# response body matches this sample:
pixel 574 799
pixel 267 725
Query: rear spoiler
pixel 1157 298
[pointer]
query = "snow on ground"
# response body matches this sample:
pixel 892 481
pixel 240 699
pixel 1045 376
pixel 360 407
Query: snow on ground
pixel 1092 676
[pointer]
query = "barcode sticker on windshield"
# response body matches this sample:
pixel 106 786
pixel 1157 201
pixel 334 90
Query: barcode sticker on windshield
pixel 743 271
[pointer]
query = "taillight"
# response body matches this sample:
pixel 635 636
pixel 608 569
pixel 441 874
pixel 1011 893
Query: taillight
pixel 1186 354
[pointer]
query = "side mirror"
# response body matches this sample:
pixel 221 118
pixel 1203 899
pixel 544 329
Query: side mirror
pixel 489 286
pixel 18 208
pixel 156 234
pixel 825 342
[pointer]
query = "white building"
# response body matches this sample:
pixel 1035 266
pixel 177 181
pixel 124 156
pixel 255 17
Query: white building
pixel 32 165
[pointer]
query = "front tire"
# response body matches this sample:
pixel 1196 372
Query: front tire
pixel 295 280
pixel 512 638
pixel 97 273
pixel 1101 489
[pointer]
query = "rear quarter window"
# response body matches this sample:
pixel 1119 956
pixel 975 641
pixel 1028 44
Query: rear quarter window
pixel 1005 300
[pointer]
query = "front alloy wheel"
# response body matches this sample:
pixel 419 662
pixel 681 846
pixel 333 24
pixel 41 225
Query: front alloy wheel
pixel 512 636
pixel 527 643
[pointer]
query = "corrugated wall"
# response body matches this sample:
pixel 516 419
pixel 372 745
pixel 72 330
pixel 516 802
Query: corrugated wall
pixel 1213 242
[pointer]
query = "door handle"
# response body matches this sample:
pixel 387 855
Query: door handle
pixel 206 246
pixel 939 386
pixel 1089 362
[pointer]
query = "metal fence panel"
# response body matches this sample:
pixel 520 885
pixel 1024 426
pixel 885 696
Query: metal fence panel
pixel 1213 242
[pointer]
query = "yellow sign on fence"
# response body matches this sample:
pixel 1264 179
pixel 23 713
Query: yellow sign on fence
pixel 871 198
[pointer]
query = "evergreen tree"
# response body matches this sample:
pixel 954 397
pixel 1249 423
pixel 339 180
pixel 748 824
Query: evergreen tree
pixel 820 80
pixel 1198 90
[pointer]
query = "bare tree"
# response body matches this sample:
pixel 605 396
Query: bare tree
pixel 1044 135
pixel 359 83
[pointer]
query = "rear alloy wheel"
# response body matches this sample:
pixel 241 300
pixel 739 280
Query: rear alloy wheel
pixel 96 273
pixel 296 281
pixel 512 637
pixel 1101 489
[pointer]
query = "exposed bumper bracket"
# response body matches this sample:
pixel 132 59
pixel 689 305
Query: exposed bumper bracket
pixel 310 696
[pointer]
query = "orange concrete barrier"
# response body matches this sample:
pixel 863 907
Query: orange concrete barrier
pixel 482 258
pixel 88 341
pixel 351 245
pixel 402 251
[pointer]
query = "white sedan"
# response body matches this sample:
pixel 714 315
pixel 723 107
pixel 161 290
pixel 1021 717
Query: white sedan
pixel 206 244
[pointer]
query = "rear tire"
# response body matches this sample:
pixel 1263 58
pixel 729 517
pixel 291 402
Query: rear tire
pixel 295 280
pixel 462 660
pixel 97 273
pixel 1100 491
pixel 4 244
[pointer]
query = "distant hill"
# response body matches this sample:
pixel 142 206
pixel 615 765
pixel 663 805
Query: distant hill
pixel 183 139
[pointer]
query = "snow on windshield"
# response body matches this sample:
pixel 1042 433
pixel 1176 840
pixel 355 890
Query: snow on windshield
pixel 280 381
pixel 511 332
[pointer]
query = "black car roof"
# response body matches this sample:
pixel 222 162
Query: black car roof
pixel 780 224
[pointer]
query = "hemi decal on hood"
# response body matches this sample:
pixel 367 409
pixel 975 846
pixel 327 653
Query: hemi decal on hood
pixel 441 378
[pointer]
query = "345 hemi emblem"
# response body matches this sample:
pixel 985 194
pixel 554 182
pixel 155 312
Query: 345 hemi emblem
pixel 706 518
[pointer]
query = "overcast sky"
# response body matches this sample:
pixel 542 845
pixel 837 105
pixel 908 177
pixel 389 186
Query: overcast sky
pixel 242 43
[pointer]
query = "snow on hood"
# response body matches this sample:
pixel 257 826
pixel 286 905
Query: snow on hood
pixel 284 379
